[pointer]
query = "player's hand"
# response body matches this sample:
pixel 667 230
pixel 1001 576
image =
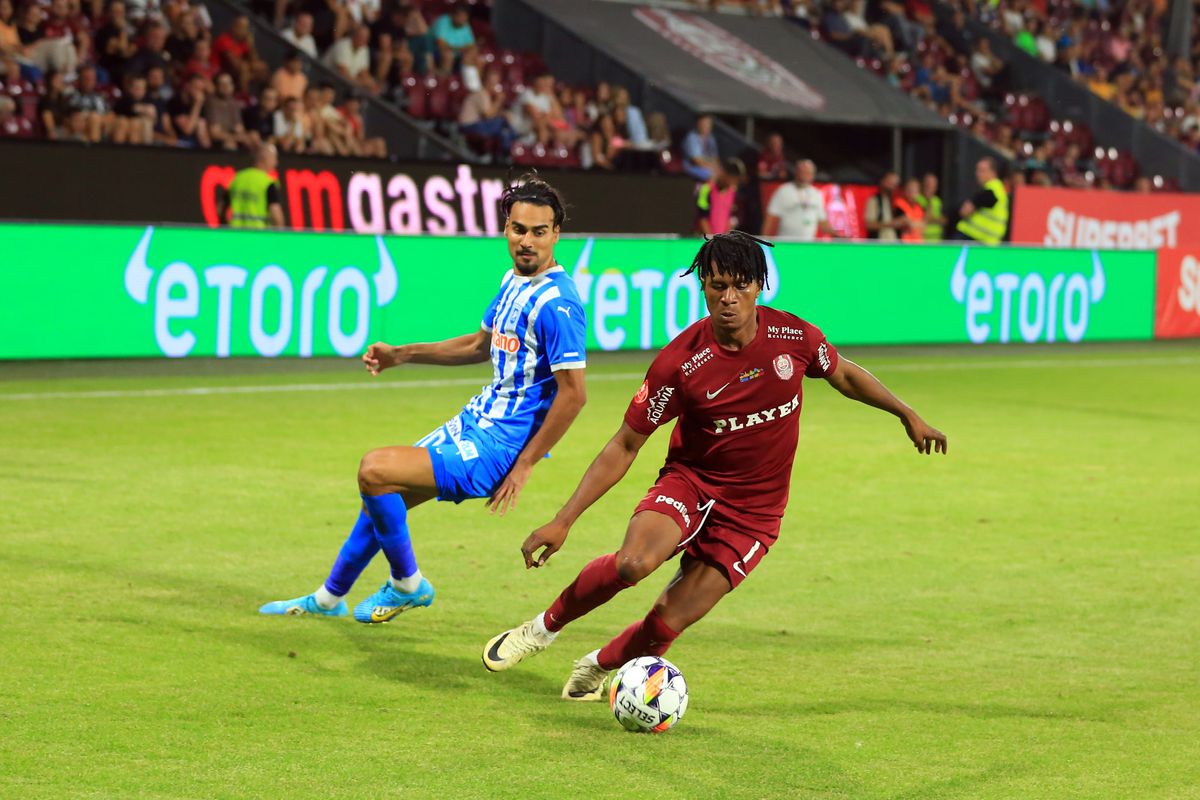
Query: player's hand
pixel 550 536
pixel 925 437
pixel 380 356
pixel 504 499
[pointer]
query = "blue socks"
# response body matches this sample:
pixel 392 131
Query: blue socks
pixel 360 547
pixel 390 515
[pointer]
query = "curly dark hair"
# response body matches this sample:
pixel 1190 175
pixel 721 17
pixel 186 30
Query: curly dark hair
pixel 530 188
pixel 736 253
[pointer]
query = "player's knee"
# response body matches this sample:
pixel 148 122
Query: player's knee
pixel 372 472
pixel 632 567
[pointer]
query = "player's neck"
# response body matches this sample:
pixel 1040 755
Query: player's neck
pixel 739 338
pixel 541 271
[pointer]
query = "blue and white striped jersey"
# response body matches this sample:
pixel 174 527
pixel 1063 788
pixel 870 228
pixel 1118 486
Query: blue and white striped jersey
pixel 538 327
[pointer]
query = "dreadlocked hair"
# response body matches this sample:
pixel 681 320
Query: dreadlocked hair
pixel 736 253
pixel 530 188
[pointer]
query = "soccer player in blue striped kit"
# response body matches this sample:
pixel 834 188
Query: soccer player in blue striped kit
pixel 534 334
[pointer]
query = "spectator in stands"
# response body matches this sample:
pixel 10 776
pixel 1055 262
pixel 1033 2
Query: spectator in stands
pixel 1071 171
pixel 395 68
pixel 797 209
pixel 11 125
pixel 202 63
pixel 700 155
pixel 533 114
pixel 363 12
pixel 452 34
pixel 41 51
pixel 350 57
pixel 314 122
pixel 482 113
pixel 659 131
pixel 990 72
pixel 1004 141
pixel 10 37
pixel 602 100
pixel 259 119
pixel 404 24
pixel 141 10
pixel 954 32
pixel 334 124
pixel 608 138
pixel 716 199
pixel 300 36
pixel 1100 85
pixel 152 52
pixel 290 80
pixel 905 33
pixel 223 114
pixel 909 212
pixel 984 217
pixel 98 117
pixel 181 43
pixel 114 42
pixel 633 122
pixel 291 133
pixel 841 33
pixel 186 110
pixel 54 106
pixel 63 22
pixel 235 53
pixel 136 116
pixel 935 218
pixel 772 161
pixel 363 145
pixel 880 217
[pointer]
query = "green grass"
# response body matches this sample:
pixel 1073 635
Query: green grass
pixel 1019 619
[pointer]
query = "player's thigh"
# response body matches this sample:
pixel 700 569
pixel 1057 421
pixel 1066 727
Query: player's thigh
pixel 691 594
pixel 407 470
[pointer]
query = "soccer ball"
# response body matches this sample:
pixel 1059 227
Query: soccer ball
pixel 648 695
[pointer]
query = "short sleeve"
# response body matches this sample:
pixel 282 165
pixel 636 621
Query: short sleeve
pixel 562 334
pixel 823 358
pixel 660 397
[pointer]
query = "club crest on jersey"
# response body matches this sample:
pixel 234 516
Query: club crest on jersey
pixel 642 393
pixel 750 375
pixel 783 366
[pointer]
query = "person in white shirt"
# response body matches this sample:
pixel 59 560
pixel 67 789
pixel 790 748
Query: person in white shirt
pixel 300 34
pixel 797 209
pixel 351 57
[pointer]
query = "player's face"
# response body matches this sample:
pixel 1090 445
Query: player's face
pixel 531 237
pixel 731 301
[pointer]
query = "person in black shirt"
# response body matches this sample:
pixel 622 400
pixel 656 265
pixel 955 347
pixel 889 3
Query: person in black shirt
pixel 259 119
pixel 114 42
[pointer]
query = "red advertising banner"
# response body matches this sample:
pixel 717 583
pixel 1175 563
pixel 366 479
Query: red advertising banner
pixel 1096 219
pixel 845 205
pixel 1177 298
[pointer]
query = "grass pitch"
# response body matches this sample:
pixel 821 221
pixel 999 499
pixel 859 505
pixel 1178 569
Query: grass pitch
pixel 1018 619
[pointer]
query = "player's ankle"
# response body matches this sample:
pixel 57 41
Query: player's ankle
pixel 540 629
pixel 325 598
pixel 408 584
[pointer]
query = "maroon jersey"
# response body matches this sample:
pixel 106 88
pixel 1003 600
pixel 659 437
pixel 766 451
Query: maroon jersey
pixel 739 411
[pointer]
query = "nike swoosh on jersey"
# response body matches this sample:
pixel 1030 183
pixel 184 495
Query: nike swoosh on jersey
pixel 711 395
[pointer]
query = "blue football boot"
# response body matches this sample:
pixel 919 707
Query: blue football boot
pixel 304 605
pixel 388 602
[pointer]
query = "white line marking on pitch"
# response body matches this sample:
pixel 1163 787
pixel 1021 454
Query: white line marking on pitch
pixel 881 367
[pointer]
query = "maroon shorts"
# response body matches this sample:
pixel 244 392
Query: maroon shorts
pixel 711 531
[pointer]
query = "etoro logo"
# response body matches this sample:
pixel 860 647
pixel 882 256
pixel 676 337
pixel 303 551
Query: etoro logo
pixel 1042 306
pixel 176 297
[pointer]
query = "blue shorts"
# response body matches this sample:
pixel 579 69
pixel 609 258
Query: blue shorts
pixel 468 461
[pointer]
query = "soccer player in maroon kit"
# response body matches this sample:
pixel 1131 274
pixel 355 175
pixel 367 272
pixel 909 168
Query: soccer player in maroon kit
pixel 733 380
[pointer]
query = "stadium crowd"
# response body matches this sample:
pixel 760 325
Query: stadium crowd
pixel 155 72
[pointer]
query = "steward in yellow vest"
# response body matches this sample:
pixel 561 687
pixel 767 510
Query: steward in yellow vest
pixel 984 218
pixel 253 196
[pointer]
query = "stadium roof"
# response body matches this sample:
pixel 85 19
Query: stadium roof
pixel 728 64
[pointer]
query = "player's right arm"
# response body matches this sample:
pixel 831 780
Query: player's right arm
pixel 604 473
pixel 474 348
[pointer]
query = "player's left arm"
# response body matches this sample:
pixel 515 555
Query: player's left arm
pixel 561 329
pixel 856 383
pixel 571 397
